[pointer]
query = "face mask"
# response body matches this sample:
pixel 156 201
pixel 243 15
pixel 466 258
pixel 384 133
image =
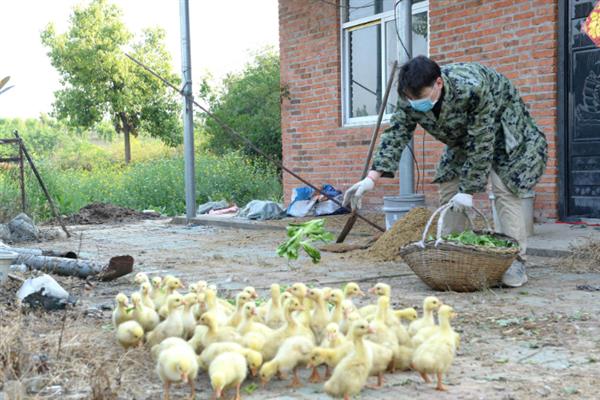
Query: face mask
pixel 422 105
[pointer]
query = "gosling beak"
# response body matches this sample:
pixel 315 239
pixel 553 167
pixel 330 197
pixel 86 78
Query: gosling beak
pixel 218 393
pixel 263 382
pixel 289 290
pixel 254 312
pixel 361 293
pixel 254 295
pixel 301 308
pixel 309 366
pixel 184 302
pixel 372 290
pixel 253 371
pixel 372 329
pixel 330 336
pixel 184 378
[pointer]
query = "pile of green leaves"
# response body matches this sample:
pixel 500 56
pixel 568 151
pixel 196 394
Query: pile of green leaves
pixel 301 236
pixel 472 238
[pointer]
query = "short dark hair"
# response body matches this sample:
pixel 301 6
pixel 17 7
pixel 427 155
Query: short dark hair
pixel 417 74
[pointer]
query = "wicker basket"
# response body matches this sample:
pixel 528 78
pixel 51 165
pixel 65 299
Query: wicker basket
pixel 453 266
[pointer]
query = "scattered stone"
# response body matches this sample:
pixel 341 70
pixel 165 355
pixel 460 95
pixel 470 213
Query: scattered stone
pixel 4 232
pixel 544 391
pixel 22 268
pixel 36 384
pixel 52 234
pixel 23 229
pixel 588 288
pixel 14 390
pixel 570 390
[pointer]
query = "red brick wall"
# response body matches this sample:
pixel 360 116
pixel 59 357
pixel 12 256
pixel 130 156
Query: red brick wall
pixel 517 37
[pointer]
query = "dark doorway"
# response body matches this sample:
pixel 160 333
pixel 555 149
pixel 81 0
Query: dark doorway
pixel 580 115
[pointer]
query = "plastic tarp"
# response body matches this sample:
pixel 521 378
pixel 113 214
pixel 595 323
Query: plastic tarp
pixel 262 210
pixel 211 205
pixel 305 201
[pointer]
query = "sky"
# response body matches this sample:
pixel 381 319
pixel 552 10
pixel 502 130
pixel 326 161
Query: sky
pixel 223 35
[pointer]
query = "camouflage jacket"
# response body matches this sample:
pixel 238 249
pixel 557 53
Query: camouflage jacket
pixel 484 124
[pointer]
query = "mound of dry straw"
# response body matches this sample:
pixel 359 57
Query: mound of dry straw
pixel 406 230
pixel 49 357
pixel 584 257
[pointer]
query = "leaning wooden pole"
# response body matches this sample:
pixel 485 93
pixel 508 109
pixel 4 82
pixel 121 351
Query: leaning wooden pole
pixel 42 185
pixel 352 218
pixel 22 177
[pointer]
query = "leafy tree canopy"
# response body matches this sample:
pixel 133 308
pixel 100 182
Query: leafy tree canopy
pixel 249 102
pixel 99 82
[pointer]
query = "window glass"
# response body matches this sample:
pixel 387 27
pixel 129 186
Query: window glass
pixel 371 47
pixel 365 70
pixel 394 48
pixel 365 8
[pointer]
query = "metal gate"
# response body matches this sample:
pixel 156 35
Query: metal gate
pixel 581 134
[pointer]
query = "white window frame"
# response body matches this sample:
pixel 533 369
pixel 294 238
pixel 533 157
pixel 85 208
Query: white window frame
pixel 345 28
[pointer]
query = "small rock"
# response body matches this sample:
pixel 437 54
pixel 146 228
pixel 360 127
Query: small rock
pixel 53 390
pixel 18 268
pixel 22 228
pixel 4 233
pixel 36 384
pixel 53 234
pixel 544 391
pixel 570 390
pixel 94 312
pixel 14 390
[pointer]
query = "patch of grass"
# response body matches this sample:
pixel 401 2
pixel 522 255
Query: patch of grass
pixel 155 184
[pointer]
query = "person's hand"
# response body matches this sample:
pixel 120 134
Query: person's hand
pixel 353 196
pixel 461 202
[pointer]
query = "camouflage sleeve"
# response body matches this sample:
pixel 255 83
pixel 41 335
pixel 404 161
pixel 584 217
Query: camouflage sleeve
pixel 393 141
pixel 479 144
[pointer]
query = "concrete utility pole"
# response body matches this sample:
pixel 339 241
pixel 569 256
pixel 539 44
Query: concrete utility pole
pixel 396 206
pixel 188 115
pixel 404 25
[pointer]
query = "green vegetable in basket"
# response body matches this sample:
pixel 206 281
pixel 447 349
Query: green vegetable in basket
pixel 474 239
pixel 301 236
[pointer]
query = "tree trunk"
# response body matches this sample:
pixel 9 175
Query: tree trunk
pixel 126 132
pixel 127 146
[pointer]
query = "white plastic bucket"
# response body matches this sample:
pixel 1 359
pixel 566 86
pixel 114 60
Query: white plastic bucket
pixel 395 207
pixel 6 260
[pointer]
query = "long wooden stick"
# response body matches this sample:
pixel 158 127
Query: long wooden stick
pixel 22 177
pixel 42 185
pixel 352 218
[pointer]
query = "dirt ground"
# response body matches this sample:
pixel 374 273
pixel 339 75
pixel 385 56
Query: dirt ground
pixel 540 341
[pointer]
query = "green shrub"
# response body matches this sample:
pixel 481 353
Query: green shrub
pixel 157 184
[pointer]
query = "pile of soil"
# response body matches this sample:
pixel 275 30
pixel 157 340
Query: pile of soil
pixel 406 230
pixel 106 213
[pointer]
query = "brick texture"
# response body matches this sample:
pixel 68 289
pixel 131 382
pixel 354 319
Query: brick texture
pixel 517 37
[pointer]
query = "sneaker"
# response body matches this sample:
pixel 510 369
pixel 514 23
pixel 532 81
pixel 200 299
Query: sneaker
pixel 516 275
